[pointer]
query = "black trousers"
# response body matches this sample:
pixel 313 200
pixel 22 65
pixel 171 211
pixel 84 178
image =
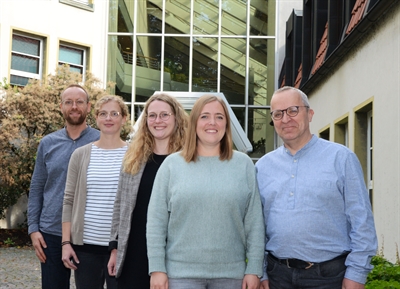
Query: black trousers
pixel 92 270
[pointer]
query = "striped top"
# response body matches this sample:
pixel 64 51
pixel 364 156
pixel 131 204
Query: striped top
pixel 102 183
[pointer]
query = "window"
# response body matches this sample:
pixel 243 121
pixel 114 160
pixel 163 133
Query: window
pixel 342 131
pixel 324 133
pixel 73 56
pixel 369 154
pixel 26 59
pixel 363 141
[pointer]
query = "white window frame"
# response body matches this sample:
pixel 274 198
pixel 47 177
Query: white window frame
pixel 370 149
pixel 83 65
pixel 40 57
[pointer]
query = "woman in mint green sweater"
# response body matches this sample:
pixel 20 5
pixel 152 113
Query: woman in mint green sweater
pixel 205 226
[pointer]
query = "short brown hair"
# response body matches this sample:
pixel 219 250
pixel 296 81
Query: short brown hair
pixel 189 151
pixel 77 86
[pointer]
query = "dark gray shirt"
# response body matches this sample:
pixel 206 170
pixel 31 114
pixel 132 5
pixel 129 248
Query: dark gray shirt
pixel 48 180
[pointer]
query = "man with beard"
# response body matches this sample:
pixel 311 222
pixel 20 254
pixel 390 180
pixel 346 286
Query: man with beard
pixel 48 183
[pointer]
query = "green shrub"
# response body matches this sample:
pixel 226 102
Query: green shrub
pixel 385 274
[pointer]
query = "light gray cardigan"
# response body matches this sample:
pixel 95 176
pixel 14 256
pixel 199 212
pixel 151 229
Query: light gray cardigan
pixel 124 204
pixel 76 191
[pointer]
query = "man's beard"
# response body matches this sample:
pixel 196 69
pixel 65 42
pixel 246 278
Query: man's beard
pixel 75 121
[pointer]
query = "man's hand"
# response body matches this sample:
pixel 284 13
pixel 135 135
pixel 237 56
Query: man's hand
pixel 112 263
pixel 264 284
pixel 250 282
pixel 349 284
pixel 39 243
pixel 158 280
pixel 67 255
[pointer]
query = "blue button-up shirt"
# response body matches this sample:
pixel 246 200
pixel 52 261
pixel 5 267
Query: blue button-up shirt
pixel 46 192
pixel 316 206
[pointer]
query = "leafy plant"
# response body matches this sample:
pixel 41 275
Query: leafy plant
pixel 384 275
pixel 9 242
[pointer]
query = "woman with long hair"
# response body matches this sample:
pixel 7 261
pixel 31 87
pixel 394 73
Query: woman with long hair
pixel 90 190
pixel 161 133
pixel 205 227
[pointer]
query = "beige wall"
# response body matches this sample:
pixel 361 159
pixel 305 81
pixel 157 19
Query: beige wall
pixel 55 21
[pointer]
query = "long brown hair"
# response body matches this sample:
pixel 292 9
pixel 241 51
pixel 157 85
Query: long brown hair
pixel 189 151
pixel 143 141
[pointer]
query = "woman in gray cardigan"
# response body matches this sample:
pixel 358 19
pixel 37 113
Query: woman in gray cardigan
pixel 90 189
pixel 160 134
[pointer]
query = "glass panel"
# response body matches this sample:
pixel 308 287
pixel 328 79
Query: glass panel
pixel 205 65
pixel 71 55
pixel 233 69
pixel 120 65
pixel 26 45
pixel 261 133
pixel 150 15
pixel 24 63
pixel 240 115
pixel 177 17
pixel 138 111
pixel 121 14
pixel 18 80
pixel 148 67
pixel 76 69
pixel 205 18
pixel 261 71
pixel 234 17
pixel 176 63
pixel 262 17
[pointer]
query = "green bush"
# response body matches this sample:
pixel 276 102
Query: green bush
pixel 385 274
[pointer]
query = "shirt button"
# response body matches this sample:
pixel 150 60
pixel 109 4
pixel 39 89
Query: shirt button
pixel 292 176
pixel 291 194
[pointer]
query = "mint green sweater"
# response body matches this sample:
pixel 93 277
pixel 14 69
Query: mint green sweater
pixel 205 219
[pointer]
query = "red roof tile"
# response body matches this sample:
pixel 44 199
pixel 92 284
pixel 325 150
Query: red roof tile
pixel 299 76
pixel 356 14
pixel 323 45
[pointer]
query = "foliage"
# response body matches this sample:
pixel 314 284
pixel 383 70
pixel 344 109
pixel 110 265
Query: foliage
pixel 385 274
pixel 9 242
pixel 27 114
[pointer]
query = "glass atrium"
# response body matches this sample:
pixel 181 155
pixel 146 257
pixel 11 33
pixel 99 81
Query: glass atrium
pixel 210 46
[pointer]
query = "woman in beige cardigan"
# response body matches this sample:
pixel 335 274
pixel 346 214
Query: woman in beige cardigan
pixel 160 134
pixel 92 181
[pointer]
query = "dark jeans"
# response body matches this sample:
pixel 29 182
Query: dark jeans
pixel 54 273
pixel 92 268
pixel 326 275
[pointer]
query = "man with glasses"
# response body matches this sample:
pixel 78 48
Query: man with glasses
pixel 320 230
pixel 48 183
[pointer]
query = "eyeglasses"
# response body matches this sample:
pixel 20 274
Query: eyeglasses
pixel 291 111
pixel 105 114
pixel 79 102
pixel 163 116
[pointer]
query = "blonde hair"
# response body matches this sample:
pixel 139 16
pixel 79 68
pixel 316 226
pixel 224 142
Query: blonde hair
pixel 189 151
pixel 142 145
pixel 107 98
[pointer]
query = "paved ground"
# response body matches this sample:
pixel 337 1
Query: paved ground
pixel 19 268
